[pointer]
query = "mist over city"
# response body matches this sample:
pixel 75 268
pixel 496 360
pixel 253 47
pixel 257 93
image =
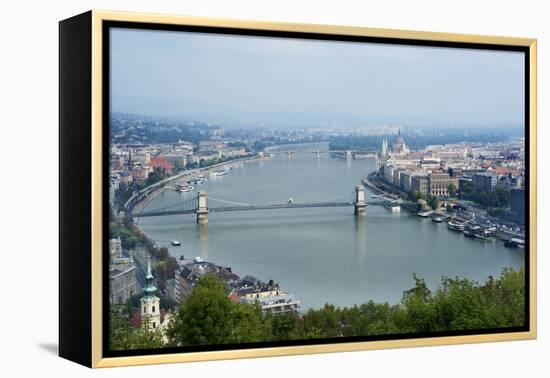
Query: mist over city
pixel 245 81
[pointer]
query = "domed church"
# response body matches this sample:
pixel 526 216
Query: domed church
pixel 399 148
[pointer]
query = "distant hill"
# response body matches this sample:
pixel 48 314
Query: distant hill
pixel 132 128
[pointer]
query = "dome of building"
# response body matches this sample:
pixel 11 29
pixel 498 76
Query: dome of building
pixel 399 140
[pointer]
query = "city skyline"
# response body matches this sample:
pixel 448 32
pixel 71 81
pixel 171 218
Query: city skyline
pixel 258 80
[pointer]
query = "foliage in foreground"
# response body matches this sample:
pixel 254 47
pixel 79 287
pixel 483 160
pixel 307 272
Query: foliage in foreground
pixel 209 317
pixel 124 336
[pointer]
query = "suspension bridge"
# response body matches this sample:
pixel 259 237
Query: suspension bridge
pixel 199 206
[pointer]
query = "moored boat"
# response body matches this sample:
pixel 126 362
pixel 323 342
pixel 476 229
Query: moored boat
pixel 395 208
pixel 186 189
pixel 198 181
pixel 484 234
pixel 424 214
pixel 515 243
pixel 470 231
pixel 437 219
pixel 455 225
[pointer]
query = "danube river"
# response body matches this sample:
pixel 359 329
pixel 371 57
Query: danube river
pixel 322 254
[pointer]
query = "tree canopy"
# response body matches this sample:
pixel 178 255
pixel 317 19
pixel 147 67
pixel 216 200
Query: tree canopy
pixel 124 336
pixel 209 317
pixel 498 198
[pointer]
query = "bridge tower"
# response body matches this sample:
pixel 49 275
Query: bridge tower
pixel 318 153
pixel 202 208
pixel 359 203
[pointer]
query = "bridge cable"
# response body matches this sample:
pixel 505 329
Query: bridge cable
pixel 228 202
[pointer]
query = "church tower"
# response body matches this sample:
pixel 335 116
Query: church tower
pixel 130 162
pixel 384 152
pixel 150 303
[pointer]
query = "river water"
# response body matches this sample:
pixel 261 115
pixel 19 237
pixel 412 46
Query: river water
pixel 322 254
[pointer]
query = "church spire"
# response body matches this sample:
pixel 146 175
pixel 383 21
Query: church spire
pixel 150 303
pixel 149 290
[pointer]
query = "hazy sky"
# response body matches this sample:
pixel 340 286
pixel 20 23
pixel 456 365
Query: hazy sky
pixel 191 74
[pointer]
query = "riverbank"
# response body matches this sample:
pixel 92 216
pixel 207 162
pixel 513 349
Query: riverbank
pixel 149 193
pixel 375 185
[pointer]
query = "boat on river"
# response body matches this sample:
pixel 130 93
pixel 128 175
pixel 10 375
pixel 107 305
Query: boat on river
pixel 484 234
pixel 186 189
pixel 395 208
pixel 198 181
pixel 437 219
pixel 220 173
pixel 424 214
pixel 175 243
pixel 515 243
pixel 470 231
pixel 455 225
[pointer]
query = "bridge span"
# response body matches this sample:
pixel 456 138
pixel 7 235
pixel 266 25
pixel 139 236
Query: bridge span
pixel 347 154
pixel 199 206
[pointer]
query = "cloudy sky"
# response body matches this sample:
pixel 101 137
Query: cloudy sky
pixel 200 75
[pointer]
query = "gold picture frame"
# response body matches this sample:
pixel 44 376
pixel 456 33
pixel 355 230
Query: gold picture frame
pixel 93 25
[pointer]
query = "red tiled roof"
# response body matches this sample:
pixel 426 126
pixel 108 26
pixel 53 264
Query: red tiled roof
pixel 234 297
pixel 161 163
pixel 502 170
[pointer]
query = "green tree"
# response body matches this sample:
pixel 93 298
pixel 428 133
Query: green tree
pixel 285 326
pixel 326 319
pixel 451 189
pixel 120 331
pixel 466 188
pixel 205 317
pixel 178 164
pixel 123 336
pixel 432 201
pixel 209 317
pixel 370 319
pixel 506 295
pixel 249 324
pixel 155 176
pixel 147 338
pixel 165 269
pixel 415 195
pixel 457 305
pixel 416 305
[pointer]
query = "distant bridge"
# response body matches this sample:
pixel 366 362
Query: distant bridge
pixel 348 154
pixel 199 206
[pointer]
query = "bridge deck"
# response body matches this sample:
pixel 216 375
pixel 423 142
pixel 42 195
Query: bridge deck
pixel 159 213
